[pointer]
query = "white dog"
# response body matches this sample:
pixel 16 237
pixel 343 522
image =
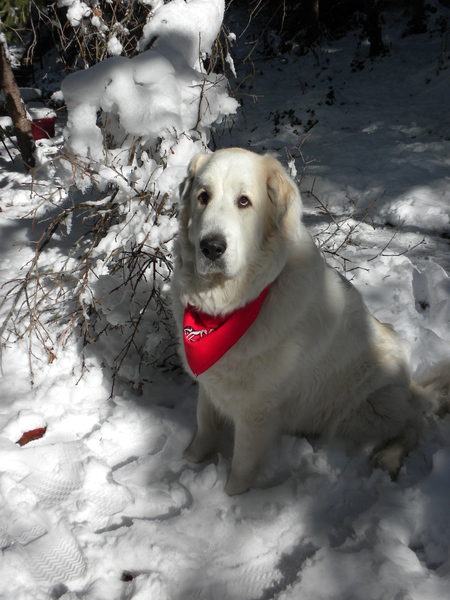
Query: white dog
pixel 279 341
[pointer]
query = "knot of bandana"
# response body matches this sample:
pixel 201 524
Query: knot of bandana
pixel 207 338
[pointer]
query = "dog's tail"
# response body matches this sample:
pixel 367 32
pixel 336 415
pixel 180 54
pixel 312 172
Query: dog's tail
pixel 432 394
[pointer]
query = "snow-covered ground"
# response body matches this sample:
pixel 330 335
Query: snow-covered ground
pixel 103 506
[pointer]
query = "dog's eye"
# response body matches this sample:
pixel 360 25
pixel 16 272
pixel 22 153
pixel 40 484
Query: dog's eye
pixel 203 198
pixel 244 202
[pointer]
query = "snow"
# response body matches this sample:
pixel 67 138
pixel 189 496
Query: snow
pixel 38 110
pixel 103 506
pixel 114 46
pixel 162 85
pixel 190 24
pixel 76 12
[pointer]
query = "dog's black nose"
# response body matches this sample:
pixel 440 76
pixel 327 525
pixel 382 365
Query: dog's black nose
pixel 213 246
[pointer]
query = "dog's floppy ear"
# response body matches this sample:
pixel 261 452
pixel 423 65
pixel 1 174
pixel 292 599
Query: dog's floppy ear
pixel 186 187
pixel 284 195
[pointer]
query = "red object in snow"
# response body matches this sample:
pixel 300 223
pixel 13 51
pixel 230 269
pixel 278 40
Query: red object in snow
pixel 43 128
pixel 29 436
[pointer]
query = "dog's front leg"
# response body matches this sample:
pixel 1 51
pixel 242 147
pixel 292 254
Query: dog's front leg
pixel 205 441
pixel 252 436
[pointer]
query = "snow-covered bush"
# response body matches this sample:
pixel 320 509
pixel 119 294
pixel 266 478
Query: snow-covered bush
pixel 92 30
pixel 133 125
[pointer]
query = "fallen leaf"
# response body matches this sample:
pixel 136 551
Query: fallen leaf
pixel 29 436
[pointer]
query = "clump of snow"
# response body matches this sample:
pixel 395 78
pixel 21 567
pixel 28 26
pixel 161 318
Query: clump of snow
pixel 114 46
pixel 38 110
pixel 57 97
pixel 229 60
pixel 76 12
pixel 192 26
pixel 6 122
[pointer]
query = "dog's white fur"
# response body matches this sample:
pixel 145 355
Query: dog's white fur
pixel 315 361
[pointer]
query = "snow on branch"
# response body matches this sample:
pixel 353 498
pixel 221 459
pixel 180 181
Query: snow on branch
pixel 133 125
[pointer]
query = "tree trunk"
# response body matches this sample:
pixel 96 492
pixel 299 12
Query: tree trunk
pixel 314 18
pixel 373 28
pixel 308 15
pixel 418 19
pixel 16 110
pixel 315 10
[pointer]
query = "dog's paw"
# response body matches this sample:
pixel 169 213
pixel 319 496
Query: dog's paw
pixel 198 451
pixel 389 459
pixel 236 485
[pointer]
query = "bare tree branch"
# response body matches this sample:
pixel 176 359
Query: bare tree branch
pixel 16 109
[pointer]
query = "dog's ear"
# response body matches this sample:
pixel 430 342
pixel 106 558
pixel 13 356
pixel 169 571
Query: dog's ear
pixel 186 187
pixel 284 196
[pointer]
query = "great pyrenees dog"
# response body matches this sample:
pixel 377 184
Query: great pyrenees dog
pixel 279 341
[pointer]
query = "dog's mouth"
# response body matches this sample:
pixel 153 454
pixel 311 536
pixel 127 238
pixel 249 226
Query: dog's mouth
pixel 207 267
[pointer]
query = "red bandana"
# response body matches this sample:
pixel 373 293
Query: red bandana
pixel 208 338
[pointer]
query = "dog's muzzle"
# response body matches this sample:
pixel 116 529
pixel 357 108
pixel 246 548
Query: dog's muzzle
pixel 213 247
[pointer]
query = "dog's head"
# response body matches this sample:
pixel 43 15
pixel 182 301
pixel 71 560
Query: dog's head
pixel 237 206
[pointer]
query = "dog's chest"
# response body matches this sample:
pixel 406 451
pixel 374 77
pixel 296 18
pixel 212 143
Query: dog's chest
pixel 238 381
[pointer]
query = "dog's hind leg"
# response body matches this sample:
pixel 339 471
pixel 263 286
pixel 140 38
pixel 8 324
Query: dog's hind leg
pixel 205 441
pixel 390 455
pixel 388 419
